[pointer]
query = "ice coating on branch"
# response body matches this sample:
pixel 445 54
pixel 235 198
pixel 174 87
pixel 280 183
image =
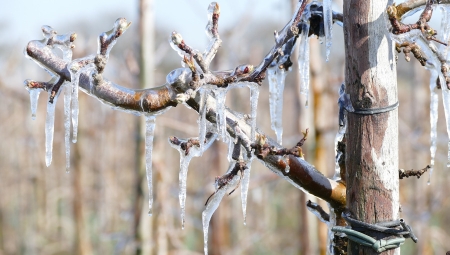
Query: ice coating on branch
pixel 177 75
pixel 49 129
pixel 328 25
pixel 34 98
pixel 412 12
pixel 120 26
pixel 276 87
pixel 254 95
pixel 433 119
pixel 213 8
pixel 303 61
pixel 175 40
pixel 212 205
pixel 245 183
pixel 149 134
pixel 411 36
pixel 67 99
pixel 48 32
pixel 76 68
pixel 287 168
pixel 316 213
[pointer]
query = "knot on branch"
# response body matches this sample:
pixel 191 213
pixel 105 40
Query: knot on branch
pixel 222 181
pixel 185 145
pixel 262 149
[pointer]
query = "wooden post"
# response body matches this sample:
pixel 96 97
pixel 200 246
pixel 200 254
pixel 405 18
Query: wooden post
pixel 372 140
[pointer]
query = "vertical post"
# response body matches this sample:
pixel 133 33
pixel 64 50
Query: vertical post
pixel 372 140
pixel 142 223
pixel 304 121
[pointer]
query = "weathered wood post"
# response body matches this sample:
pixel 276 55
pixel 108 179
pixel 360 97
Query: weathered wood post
pixel 372 140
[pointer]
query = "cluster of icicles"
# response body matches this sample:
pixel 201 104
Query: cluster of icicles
pixel 210 95
pixel 434 66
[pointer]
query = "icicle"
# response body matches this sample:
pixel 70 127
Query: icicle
pixel 254 95
pixel 67 99
pixel 303 61
pixel 433 119
pixel 149 133
pixel 202 116
pixel 184 167
pixel 245 183
pixel 445 36
pixel 276 88
pixel 328 25
pixel 75 109
pixel 344 106
pixel 211 207
pixel 49 128
pixel 445 30
pixel 446 102
pixel 220 94
pixel 34 97
pixel 230 149
pixel 76 67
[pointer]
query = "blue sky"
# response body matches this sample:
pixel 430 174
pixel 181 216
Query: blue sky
pixel 21 20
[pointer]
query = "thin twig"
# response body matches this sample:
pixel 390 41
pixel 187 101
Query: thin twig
pixel 402 173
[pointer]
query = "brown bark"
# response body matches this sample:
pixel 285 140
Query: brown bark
pixel 372 140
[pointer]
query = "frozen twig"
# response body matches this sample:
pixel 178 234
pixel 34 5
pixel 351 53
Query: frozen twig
pixel 402 173
pixel 317 208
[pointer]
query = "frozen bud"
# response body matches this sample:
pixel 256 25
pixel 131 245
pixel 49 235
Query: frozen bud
pixel 73 37
pixel 176 38
pixel 444 68
pixel 392 11
pixel 121 25
pixel 243 69
pixel 216 8
pixel 261 139
pixel 48 31
pixel 30 84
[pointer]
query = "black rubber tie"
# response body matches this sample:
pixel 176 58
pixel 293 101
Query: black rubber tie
pixel 376 110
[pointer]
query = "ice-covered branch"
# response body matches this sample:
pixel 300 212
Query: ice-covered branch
pixel 411 5
pixel 301 174
pixel 183 87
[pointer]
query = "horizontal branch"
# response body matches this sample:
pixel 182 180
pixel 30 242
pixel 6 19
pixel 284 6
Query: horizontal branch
pixel 302 174
pixel 181 86
pixel 409 5
pixel 148 100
